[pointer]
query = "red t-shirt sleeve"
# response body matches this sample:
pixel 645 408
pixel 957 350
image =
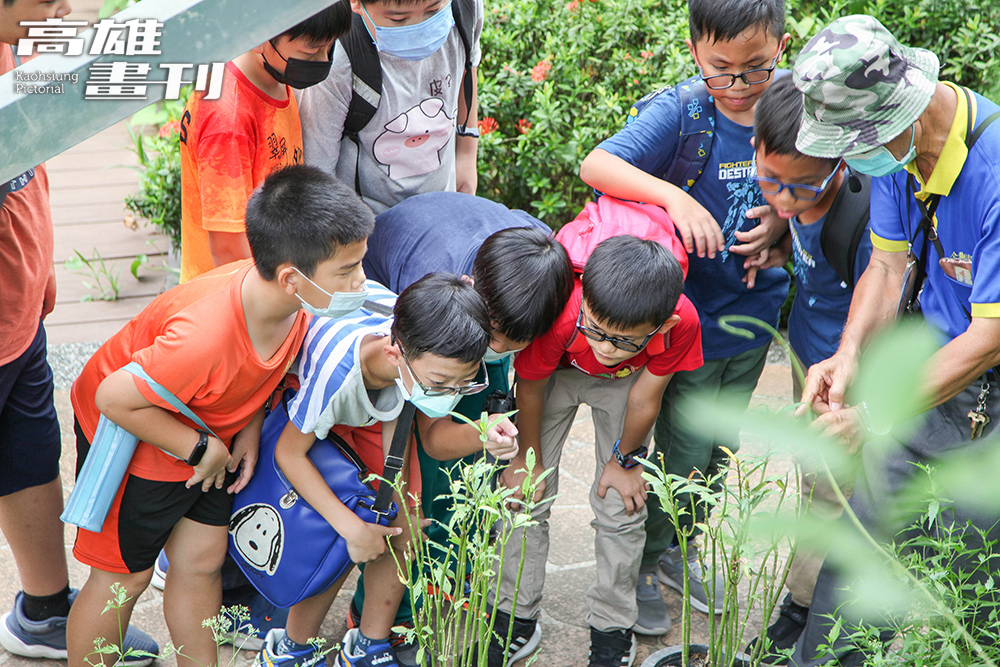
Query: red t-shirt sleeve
pixel 684 352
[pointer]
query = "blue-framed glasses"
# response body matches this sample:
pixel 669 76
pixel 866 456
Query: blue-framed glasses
pixel 799 191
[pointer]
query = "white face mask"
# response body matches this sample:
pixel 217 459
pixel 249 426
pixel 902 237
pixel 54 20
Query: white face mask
pixel 496 356
pixel 341 303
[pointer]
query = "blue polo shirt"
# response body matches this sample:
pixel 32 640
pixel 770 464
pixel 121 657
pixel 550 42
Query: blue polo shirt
pixel 727 189
pixel 967 222
pixel 436 231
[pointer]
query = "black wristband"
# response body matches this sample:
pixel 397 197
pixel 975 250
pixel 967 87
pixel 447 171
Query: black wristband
pixel 199 450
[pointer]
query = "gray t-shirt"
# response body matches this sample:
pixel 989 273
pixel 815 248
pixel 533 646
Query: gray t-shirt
pixel 408 148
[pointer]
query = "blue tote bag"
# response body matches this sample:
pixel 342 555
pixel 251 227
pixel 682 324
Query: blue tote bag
pixel 106 463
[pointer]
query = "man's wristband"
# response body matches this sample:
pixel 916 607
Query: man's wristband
pixel 199 450
pixel 628 461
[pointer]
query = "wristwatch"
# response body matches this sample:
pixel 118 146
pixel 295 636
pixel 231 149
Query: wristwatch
pixel 199 449
pixel 628 461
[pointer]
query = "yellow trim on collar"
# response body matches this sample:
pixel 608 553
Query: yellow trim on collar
pixel 889 245
pixel 986 310
pixel 954 153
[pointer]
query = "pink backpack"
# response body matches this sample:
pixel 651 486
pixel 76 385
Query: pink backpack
pixel 609 217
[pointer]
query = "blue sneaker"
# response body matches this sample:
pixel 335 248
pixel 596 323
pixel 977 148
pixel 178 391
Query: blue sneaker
pixel 47 639
pixel 380 656
pixel 160 571
pixel 269 657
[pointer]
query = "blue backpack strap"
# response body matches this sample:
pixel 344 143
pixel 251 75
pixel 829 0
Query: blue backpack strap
pixel 138 371
pixel 696 133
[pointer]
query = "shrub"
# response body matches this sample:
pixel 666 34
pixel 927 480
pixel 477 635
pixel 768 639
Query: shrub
pixel 159 196
pixel 557 78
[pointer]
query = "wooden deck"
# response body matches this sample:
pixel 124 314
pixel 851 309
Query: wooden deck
pixel 88 185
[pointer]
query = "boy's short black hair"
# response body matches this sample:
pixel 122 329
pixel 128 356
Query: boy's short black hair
pixel 776 119
pixel 525 277
pixel 724 20
pixel 629 282
pixel 439 314
pixel 302 215
pixel 324 26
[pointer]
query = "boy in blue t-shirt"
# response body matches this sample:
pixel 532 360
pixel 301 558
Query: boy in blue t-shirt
pixel 736 45
pixel 810 193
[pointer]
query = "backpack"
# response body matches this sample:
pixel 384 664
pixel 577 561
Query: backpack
pixel 366 71
pixel 697 128
pixel 609 217
pixel 845 225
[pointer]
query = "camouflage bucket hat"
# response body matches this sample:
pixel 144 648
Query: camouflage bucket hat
pixel 861 87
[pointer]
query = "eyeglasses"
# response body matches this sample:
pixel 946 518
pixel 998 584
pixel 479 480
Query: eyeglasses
pixel 464 390
pixel 626 344
pixel 749 77
pixel 799 191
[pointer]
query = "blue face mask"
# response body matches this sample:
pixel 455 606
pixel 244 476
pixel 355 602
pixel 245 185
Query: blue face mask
pixel 432 406
pixel 880 161
pixel 417 41
pixel 341 303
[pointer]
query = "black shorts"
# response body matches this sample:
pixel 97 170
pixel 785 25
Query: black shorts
pixel 29 428
pixel 142 517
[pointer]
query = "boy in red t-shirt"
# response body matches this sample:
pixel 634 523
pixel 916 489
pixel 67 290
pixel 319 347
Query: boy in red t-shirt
pixel 626 329
pixel 220 344
pixel 229 145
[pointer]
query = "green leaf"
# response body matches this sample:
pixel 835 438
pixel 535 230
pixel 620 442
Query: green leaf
pixel 140 259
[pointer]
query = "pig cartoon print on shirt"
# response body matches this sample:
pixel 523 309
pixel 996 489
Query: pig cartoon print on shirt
pixel 411 141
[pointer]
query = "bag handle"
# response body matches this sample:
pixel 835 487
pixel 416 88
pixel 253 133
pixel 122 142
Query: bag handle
pixel 394 459
pixel 138 371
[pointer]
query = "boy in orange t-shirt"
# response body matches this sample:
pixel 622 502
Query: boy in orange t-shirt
pixel 229 145
pixel 221 344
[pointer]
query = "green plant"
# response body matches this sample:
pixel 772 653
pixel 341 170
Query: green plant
pixel 449 581
pixel 159 196
pixel 102 648
pixel 106 276
pixel 556 79
pixel 933 584
pixel 737 542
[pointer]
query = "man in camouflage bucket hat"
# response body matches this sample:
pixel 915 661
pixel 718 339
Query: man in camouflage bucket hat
pixel 879 104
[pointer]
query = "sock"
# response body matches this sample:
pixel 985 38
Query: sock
pixel 40 608
pixel 364 645
pixel 286 645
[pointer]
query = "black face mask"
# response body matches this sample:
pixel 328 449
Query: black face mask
pixel 298 73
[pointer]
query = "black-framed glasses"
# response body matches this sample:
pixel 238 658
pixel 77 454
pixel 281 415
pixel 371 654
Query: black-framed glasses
pixel 799 191
pixel 750 77
pixel 464 390
pixel 625 344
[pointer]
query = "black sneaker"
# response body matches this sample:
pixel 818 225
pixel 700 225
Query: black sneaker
pixel 524 639
pixel 615 648
pixel 784 632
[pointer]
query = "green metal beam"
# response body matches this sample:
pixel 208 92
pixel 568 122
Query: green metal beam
pixel 35 127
